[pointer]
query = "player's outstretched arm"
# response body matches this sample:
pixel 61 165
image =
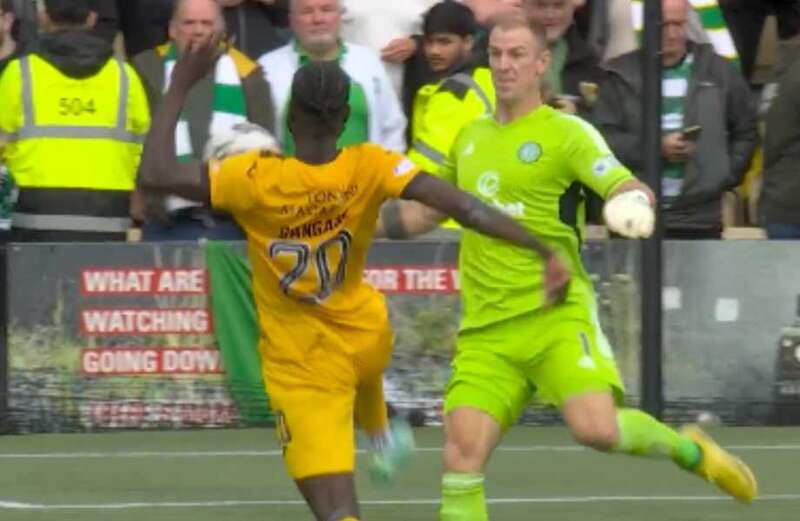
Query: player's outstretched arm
pixel 629 210
pixel 405 219
pixel 473 213
pixel 159 170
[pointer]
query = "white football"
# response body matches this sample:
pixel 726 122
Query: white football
pixel 708 418
pixel 238 139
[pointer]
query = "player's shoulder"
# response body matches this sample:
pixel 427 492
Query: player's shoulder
pixel 574 129
pixel 368 151
pixel 370 158
pixel 271 156
pixel 254 162
pixel 366 148
pixel 575 123
pixel 476 127
pixel 260 156
pixel 482 121
pixel 564 122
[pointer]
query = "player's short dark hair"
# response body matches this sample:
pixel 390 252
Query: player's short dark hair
pixel 515 20
pixel 7 6
pixel 321 90
pixel 69 12
pixel 449 17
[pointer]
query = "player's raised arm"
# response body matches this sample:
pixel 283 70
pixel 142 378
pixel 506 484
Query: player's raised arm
pixel 160 170
pixel 471 212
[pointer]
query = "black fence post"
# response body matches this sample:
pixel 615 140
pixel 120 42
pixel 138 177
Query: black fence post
pixel 652 384
pixel 5 417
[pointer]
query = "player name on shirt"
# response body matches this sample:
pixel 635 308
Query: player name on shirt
pixel 312 229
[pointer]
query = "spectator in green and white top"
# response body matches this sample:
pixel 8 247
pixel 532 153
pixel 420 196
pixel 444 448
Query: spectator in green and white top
pixel 375 113
pixel 701 89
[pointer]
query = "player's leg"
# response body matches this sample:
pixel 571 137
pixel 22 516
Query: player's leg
pixel 578 374
pixel 315 428
pixel 390 443
pixel 484 397
pixel 371 411
pixel 596 422
pixel 470 437
pixel 331 497
pixel 316 431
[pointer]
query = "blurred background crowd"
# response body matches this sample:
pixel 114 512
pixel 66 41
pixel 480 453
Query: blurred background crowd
pixel 79 80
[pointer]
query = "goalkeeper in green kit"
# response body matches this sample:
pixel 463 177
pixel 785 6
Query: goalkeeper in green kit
pixel 531 162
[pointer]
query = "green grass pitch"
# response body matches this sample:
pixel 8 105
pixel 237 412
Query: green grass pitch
pixel 237 475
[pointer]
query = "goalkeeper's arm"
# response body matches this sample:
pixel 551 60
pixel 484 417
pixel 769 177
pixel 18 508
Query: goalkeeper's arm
pixel 629 210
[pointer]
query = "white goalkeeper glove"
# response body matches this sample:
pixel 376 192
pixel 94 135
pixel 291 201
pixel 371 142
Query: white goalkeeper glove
pixel 630 214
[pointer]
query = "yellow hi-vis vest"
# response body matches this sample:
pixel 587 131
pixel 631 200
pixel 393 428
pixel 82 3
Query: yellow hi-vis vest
pixel 72 136
pixel 441 110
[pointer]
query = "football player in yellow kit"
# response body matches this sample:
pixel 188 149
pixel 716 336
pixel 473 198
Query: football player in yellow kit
pixel 309 220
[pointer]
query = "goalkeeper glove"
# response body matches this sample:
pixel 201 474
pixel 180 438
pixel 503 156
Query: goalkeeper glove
pixel 630 214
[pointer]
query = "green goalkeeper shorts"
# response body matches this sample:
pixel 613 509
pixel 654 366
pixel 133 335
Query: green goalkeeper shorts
pixel 551 355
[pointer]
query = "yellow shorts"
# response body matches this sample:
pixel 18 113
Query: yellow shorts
pixel 318 388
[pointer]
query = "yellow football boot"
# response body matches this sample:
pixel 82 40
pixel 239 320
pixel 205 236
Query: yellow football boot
pixel 722 468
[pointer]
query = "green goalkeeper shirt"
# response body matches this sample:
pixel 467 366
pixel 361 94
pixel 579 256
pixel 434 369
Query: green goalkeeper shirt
pixel 533 169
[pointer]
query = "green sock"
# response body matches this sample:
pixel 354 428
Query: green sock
pixel 463 498
pixel 642 435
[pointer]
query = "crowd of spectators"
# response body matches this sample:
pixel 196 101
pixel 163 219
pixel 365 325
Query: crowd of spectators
pixel 79 80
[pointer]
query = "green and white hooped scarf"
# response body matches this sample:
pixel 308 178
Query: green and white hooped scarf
pixel 228 102
pixel 228 108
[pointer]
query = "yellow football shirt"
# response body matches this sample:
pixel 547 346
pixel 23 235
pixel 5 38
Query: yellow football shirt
pixel 308 230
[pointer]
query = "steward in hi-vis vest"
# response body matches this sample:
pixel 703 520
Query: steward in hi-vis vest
pixel 74 119
pixel 464 91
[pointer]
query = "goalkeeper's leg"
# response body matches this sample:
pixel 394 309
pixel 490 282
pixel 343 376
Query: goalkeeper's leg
pixel 579 375
pixel 594 421
pixel 470 437
pixel 484 398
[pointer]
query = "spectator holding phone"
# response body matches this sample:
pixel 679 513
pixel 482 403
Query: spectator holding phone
pixel 707 120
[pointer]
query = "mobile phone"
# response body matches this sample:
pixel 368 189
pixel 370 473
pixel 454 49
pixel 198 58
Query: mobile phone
pixel 691 133
pixel 588 89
